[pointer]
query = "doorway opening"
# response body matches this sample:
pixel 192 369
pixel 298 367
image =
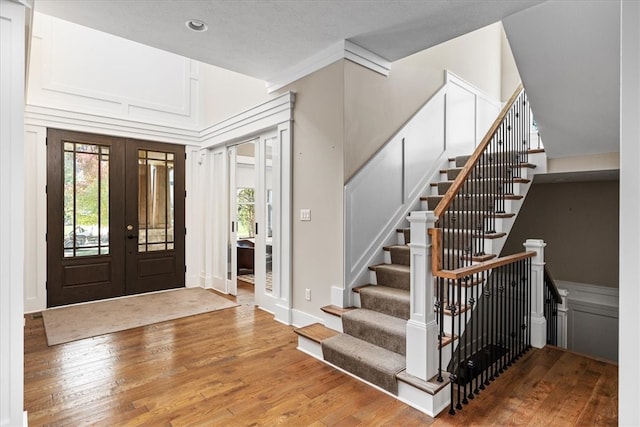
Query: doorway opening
pixel 251 212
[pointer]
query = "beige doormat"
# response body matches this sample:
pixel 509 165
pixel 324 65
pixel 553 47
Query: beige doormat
pixel 86 320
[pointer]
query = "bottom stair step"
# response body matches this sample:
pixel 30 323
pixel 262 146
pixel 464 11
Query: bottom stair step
pixel 365 360
pixel 316 332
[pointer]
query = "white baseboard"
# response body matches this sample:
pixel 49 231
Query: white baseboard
pixel 300 318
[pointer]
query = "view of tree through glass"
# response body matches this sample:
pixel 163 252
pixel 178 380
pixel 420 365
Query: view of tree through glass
pixel 86 199
pixel 246 212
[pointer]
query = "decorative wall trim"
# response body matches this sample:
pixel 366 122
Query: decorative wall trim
pixel 590 294
pixel 343 49
pixel 92 94
pixel 592 310
pixel 252 121
pixel 92 123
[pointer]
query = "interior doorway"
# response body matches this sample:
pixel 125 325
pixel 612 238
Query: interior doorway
pixel 115 217
pixel 251 213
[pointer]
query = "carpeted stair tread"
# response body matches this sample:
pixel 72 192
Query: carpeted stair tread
pixel 365 360
pixel 481 185
pixel 392 301
pixel 400 254
pixel 393 275
pixel 500 158
pixel 492 170
pixel 385 331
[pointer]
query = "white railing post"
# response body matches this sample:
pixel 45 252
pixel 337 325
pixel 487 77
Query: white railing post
pixel 563 310
pixel 422 331
pixel 538 321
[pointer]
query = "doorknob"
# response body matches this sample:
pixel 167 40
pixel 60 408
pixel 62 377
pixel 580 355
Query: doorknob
pixel 130 235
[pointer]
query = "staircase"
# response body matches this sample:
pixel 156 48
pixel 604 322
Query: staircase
pixel 373 343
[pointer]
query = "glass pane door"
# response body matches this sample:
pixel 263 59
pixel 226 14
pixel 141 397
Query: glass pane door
pixel 85 199
pixel 156 197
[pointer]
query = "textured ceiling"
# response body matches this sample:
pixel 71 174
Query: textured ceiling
pixel 567 52
pixel 262 38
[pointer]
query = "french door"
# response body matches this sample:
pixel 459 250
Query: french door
pixel 251 211
pixel 115 217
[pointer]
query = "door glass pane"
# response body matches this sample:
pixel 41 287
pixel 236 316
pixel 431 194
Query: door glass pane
pixel 155 201
pixel 246 213
pixel 268 197
pixel 86 199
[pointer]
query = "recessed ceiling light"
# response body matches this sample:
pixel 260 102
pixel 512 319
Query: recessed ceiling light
pixel 196 25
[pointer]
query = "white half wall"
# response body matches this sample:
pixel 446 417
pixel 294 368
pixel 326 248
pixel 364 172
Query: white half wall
pixel 399 173
pixel 592 311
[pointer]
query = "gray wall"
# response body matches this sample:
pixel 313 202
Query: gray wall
pixel 579 223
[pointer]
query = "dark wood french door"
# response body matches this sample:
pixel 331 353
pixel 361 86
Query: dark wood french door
pixel 115 217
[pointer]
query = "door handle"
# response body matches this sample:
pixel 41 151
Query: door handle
pixel 130 235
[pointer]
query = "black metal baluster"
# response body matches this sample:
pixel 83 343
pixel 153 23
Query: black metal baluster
pixel 474 331
pixel 493 277
pixel 459 306
pixel 440 313
pixel 501 317
pixel 466 338
pixel 452 309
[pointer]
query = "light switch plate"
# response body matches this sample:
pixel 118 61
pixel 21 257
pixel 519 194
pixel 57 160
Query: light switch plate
pixel 305 214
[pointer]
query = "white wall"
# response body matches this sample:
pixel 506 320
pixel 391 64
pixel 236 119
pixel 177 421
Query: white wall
pixel 12 209
pixel 629 371
pixel 85 80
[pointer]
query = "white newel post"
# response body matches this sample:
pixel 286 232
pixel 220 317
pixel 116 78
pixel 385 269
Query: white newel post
pixel 422 331
pixel 563 310
pixel 538 321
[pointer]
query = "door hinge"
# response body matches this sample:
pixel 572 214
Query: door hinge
pixel 46 237
pixel 185 268
pixel 185 156
pixel 46 189
pixel 185 231
pixel 46 141
pixel 185 194
pixel 46 284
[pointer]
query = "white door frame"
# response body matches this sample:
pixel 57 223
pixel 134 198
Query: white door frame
pixel 274 115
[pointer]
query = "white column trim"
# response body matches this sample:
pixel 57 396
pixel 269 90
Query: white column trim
pixel 538 321
pixel 422 333
pixel 12 211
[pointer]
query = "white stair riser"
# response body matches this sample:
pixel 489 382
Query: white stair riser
pixel 387 257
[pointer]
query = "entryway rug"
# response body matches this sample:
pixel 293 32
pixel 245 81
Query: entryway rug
pixel 87 320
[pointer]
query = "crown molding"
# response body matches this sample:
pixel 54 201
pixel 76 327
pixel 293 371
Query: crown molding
pixel 341 50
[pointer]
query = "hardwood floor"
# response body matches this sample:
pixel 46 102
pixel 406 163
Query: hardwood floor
pixel 239 367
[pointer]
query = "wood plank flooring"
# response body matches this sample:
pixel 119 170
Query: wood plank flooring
pixel 239 367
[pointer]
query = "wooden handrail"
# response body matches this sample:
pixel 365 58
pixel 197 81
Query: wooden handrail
pixel 468 167
pixel 461 273
pixel 436 261
pixel 551 284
